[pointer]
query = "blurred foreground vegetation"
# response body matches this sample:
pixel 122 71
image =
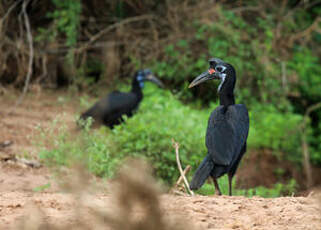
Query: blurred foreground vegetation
pixel 274 46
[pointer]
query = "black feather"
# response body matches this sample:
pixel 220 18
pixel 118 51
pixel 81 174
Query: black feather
pixel 202 173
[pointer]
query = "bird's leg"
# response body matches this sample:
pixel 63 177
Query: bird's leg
pixel 217 188
pixel 230 178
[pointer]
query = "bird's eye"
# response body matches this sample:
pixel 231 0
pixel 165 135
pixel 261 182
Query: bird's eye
pixel 219 69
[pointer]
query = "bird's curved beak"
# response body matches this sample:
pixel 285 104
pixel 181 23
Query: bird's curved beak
pixel 208 75
pixel 155 80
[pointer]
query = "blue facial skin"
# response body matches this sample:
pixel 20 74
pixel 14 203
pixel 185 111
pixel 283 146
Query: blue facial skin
pixel 141 77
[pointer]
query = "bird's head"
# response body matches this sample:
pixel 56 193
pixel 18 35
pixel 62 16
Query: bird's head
pixel 147 75
pixel 218 70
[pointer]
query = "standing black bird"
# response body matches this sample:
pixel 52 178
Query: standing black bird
pixel 227 129
pixel 110 109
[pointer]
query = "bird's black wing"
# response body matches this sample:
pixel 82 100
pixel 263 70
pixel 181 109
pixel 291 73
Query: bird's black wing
pixel 121 102
pixel 227 133
pixel 113 104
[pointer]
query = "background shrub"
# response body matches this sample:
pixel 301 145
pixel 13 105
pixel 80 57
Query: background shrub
pixel 148 134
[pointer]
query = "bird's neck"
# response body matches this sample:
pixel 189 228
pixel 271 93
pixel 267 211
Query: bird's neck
pixel 226 92
pixel 227 98
pixel 137 89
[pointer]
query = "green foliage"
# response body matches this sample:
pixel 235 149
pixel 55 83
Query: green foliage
pixel 234 40
pixel 89 147
pixel 179 66
pixel 120 10
pixel 42 188
pixel 307 67
pixel 160 118
pixel 276 191
pixel 67 19
pixel 65 23
pixel 148 135
pixel 275 130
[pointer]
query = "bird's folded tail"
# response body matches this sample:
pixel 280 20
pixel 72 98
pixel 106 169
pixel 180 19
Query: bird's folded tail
pixel 202 173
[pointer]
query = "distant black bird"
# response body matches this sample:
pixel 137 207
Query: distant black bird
pixel 110 109
pixel 227 129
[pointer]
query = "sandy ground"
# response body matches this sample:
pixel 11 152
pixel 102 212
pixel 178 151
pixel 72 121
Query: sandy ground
pixel 198 212
pixel 18 183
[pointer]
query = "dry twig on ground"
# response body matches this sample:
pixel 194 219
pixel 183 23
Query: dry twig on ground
pixel 176 146
pixel 181 179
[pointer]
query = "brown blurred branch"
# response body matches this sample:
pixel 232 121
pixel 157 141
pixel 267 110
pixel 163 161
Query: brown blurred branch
pixel 246 8
pixel 306 32
pixel 110 28
pixel 31 54
pixel 284 77
pixel 9 11
pixel 300 6
pixel 312 3
pixel 305 145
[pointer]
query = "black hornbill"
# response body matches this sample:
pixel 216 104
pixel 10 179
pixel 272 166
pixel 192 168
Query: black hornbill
pixel 110 109
pixel 227 129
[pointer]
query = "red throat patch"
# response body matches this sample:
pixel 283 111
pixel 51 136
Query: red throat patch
pixel 210 71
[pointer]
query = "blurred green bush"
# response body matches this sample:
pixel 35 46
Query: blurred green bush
pixel 277 190
pixel 161 118
pixel 275 130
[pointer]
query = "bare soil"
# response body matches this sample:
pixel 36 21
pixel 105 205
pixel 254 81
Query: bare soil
pixel 199 211
pixel 19 181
